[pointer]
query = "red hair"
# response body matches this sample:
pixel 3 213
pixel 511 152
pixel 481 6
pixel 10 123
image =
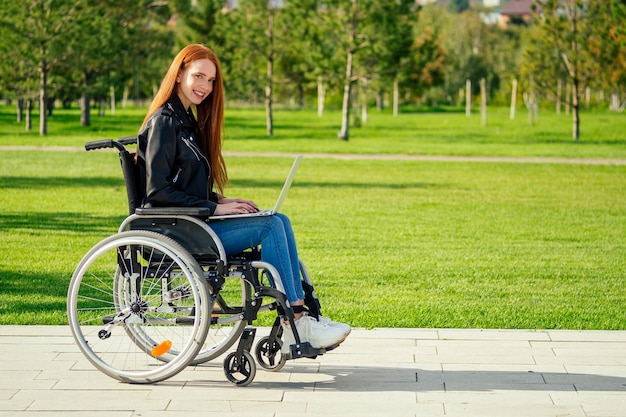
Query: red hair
pixel 210 113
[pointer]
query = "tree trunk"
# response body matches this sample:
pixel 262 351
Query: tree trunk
pixel 19 109
pixel 321 97
pixel 530 102
pixel 575 111
pixel 483 101
pixel 380 102
pixel 356 102
pixel 85 104
pixel 300 97
pixel 43 94
pixel 29 115
pixel 125 97
pixel 396 98
pixel 50 106
pixel 344 133
pixel 513 100
pixel 270 73
pixel 614 100
pixel 616 105
pixel 468 98
pixel 345 108
pixel 112 92
pixel 364 102
pixel 559 88
pixel 573 71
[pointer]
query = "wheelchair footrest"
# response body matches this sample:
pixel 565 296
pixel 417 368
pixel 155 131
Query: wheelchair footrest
pixel 305 350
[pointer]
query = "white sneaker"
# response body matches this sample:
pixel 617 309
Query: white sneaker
pixel 343 326
pixel 319 335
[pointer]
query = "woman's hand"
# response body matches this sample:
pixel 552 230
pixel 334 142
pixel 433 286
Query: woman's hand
pixel 235 206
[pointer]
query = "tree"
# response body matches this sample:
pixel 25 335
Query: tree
pixel 77 46
pixel 561 51
pixel 458 6
pixel 460 37
pixel 426 63
pixel 346 18
pixel 242 50
pixel 304 51
pixel 196 20
pixel 18 74
pixel 105 46
pixel 325 48
pixel 608 47
pixel 88 52
pixel 349 20
pixel 43 25
pixel 388 28
pixel 250 51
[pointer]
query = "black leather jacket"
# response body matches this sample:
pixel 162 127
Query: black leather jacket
pixel 177 171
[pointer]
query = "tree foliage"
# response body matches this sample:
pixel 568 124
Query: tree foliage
pixel 39 28
pixel 304 52
pixel 578 42
pixel 608 47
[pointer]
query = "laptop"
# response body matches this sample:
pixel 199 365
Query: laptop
pixel 279 202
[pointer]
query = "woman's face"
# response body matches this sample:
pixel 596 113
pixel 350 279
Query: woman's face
pixel 195 83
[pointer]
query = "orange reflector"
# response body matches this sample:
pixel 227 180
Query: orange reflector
pixel 162 348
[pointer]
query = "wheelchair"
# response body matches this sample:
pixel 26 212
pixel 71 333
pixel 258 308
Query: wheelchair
pixel 161 295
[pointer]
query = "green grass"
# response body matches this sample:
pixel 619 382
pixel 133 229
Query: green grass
pixel 389 243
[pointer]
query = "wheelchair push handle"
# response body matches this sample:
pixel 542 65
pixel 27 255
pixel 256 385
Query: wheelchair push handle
pixel 111 143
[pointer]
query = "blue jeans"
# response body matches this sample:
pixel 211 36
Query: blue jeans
pixel 278 246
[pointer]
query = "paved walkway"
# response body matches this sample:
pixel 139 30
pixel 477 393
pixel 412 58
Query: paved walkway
pixel 379 372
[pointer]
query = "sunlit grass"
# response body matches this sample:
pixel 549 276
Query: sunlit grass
pixel 388 243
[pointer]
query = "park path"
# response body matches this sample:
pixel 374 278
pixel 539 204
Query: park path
pixel 375 372
pixel 454 158
pixel 389 157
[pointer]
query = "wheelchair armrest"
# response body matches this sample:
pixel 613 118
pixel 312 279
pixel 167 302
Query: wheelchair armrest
pixel 174 211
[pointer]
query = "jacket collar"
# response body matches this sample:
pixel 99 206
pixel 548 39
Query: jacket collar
pixel 185 117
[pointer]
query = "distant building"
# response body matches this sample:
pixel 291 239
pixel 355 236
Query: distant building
pixel 233 4
pixel 486 3
pixel 516 12
pixel 501 12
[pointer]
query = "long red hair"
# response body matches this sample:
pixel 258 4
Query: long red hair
pixel 210 113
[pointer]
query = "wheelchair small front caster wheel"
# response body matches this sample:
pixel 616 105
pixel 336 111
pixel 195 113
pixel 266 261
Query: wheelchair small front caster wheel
pixel 240 370
pixel 269 355
pixel 104 334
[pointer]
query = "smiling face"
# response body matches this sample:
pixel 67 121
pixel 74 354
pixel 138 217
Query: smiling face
pixel 195 82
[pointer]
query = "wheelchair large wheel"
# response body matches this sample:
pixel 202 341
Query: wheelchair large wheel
pixel 139 307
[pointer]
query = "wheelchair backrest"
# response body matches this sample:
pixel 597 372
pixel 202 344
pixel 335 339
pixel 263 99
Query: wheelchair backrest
pixel 134 172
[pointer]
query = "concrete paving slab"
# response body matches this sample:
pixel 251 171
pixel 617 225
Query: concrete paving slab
pixel 377 372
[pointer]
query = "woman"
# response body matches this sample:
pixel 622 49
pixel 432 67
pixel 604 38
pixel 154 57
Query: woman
pixel 184 163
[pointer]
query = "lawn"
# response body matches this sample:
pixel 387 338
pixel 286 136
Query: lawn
pixel 390 243
pixel 419 133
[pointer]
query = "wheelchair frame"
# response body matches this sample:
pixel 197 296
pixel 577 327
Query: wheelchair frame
pixel 161 294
